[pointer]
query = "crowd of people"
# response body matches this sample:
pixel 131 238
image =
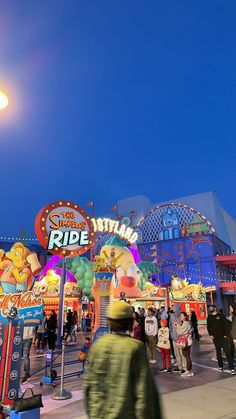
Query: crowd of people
pixel 45 336
pixel 172 332
pixel 123 354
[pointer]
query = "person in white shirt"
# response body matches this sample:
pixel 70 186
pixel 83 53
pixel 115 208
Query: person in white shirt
pixel 151 332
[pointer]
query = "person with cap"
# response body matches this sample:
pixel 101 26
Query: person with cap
pixel 164 345
pixel 118 383
pixel 151 329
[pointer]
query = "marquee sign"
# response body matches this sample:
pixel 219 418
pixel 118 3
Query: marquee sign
pixel 106 225
pixel 64 229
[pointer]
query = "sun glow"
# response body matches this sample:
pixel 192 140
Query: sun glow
pixel 3 99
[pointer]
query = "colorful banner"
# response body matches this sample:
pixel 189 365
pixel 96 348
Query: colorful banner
pixel 29 307
pixel 102 285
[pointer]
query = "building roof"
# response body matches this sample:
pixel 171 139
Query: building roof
pixel 207 204
pixel 227 260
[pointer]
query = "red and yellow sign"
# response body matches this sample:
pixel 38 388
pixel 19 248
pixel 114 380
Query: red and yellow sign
pixel 64 229
pixel 102 286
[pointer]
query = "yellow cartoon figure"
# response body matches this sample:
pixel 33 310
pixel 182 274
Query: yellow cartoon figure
pixel 112 259
pixel 52 280
pixel 18 267
pixel 99 264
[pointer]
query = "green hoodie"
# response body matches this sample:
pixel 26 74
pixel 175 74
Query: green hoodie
pixel 118 383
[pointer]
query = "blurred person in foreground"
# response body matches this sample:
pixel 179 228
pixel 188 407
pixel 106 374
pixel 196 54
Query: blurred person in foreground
pixel 118 383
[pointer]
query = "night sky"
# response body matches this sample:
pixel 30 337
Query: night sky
pixel 110 99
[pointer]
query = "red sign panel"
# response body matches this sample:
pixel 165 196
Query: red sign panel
pixel 228 286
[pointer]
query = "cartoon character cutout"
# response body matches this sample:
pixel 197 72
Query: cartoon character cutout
pixel 112 259
pixel 52 279
pixel 17 269
pixel 99 264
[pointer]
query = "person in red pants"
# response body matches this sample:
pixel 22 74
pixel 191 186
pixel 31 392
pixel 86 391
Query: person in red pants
pixel 164 345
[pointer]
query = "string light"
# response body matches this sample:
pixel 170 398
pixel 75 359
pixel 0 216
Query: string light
pixel 18 239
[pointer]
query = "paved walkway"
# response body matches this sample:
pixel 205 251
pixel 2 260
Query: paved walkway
pixel 214 400
pixel 208 395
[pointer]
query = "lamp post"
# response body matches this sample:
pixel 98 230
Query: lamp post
pixel 3 99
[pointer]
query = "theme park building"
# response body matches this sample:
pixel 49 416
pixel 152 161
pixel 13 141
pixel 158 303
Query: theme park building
pixel 191 239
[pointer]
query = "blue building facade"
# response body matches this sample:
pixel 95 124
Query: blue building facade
pixel 183 238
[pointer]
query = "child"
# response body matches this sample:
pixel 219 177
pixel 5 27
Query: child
pixel 87 345
pixel 164 345
pixel 83 355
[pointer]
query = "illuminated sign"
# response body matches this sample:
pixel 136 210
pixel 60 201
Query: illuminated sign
pixel 30 307
pixel 106 225
pixel 65 229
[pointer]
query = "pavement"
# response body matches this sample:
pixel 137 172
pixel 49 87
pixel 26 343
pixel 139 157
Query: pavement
pixel 215 400
pixel 208 394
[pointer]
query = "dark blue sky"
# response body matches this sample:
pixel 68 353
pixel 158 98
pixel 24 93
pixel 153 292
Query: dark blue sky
pixel 110 99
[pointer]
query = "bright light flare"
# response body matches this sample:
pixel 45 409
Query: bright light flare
pixel 3 99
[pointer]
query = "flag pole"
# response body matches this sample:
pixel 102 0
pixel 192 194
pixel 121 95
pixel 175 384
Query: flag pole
pixel 91 248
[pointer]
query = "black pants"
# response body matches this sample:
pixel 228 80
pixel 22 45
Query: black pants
pixel 223 343
pixel 232 347
pixel 52 340
pixel 172 348
pixel 186 353
pixel 68 330
pixel 195 331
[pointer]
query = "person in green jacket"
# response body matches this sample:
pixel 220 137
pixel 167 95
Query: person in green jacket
pixel 118 383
